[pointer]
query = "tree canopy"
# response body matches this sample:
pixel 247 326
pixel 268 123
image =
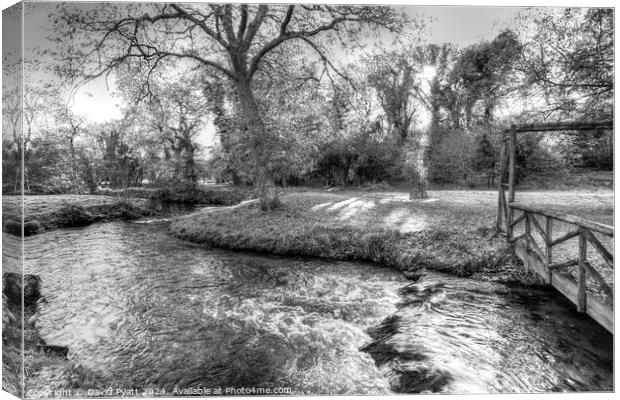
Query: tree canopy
pixel 297 93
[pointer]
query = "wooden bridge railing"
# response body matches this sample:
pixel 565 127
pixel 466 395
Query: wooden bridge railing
pixel 583 230
pixel 528 250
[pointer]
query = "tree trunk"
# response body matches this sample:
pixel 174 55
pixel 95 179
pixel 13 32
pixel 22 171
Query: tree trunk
pixel 263 180
pixel 189 165
pixel 89 176
pixel 74 168
pixel 422 167
pixel 420 186
pixel 18 167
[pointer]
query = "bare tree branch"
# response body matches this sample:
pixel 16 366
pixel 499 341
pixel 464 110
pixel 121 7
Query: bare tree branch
pixel 254 26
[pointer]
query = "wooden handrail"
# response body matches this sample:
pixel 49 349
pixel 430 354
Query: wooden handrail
pixel 562 126
pixel 571 219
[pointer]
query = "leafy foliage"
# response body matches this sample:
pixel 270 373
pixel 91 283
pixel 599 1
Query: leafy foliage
pixel 285 109
pixel 570 57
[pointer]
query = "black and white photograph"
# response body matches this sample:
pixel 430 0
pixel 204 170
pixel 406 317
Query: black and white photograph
pixel 206 199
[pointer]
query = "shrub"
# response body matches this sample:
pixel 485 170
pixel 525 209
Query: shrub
pixel 537 153
pixel 72 216
pixel 187 194
pixel 13 227
pixel 453 157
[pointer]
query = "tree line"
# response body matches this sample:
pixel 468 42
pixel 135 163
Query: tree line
pixel 286 110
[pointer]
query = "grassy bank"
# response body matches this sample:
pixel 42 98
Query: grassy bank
pixel 65 211
pixel 215 195
pixel 387 229
pixel 451 231
pixel 73 215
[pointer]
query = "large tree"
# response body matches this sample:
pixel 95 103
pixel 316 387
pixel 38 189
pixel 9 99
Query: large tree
pixel 480 78
pixel 233 40
pixel 436 61
pixel 570 57
pixel 393 76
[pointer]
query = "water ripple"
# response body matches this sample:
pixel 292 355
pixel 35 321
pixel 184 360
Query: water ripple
pixel 144 309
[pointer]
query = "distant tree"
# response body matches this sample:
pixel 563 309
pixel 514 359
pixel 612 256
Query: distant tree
pixel 480 78
pixel 393 76
pixel 233 40
pixel 12 113
pixel 50 168
pixel 12 142
pixel 70 125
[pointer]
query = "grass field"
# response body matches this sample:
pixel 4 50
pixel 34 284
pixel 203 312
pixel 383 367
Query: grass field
pixel 450 231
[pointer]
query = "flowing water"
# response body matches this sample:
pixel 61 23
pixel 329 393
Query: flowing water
pixel 146 310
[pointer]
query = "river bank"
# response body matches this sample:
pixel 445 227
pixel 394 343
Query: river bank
pixel 389 230
pixel 48 212
pixel 452 231
pixel 73 215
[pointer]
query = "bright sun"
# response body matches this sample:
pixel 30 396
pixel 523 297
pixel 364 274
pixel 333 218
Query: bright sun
pixel 95 102
pixel 428 72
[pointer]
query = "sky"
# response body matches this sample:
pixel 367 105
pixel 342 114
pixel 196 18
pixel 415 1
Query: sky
pixel 464 26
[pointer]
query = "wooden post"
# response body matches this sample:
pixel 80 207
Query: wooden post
pixel 581 276
pixel 548 247
pixel 528 230
pixel 500 188
pixel 511 178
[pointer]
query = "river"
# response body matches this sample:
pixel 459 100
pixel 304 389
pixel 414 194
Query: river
pixel 146 310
